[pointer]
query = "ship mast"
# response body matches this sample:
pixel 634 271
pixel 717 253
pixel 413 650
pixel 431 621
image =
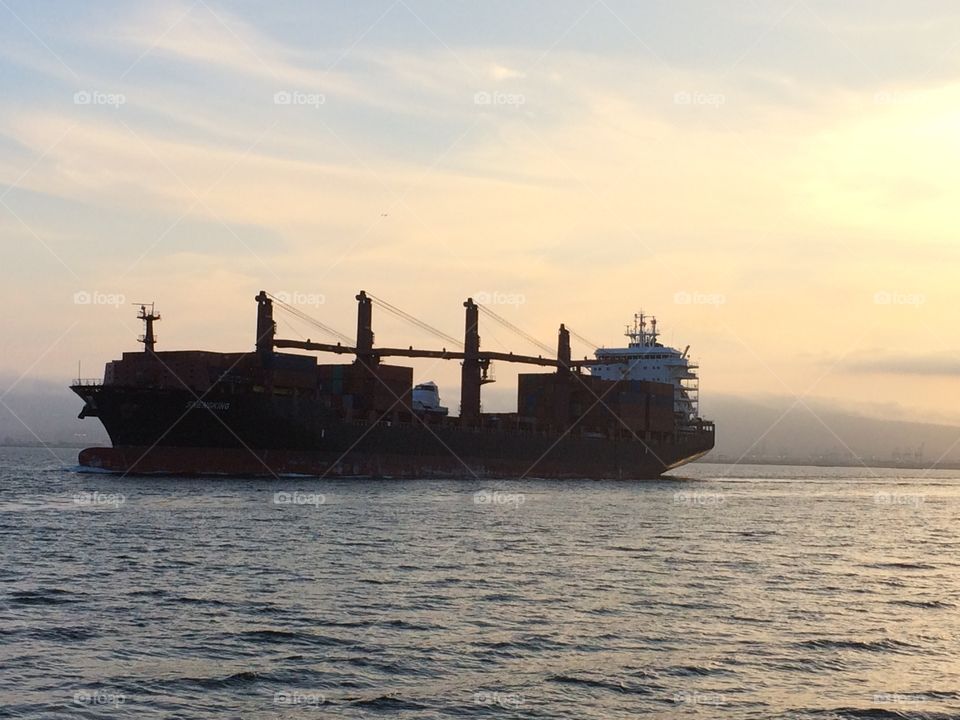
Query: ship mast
pixel 148 338
pixel 639 337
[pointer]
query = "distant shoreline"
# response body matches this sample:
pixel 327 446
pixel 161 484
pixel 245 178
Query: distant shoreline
pixel 798 462
pixel 62 445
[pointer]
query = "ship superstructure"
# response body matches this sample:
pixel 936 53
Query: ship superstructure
pixel 645 358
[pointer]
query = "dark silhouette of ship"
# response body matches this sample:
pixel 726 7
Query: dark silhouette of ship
pixel 632 415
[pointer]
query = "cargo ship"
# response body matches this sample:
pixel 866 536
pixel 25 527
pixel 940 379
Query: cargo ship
pixel 628 413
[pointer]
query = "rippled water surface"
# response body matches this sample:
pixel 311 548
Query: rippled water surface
pixel 734 592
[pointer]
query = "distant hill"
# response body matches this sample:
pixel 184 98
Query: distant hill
pixel 821 434
pixel 749 427
pixel 45 410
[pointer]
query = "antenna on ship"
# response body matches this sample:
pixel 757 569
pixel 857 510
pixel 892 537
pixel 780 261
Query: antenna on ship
pixel 148 339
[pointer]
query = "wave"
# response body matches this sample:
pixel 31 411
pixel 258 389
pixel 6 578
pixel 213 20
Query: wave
pixel 147 592
pixel 877 714
pixel 688 670
pixel 184 600
pixel 288 636
pixel 62 634
pixel 48 596
pixel 243 678
pixel 930 604
pixel 389 701
pixel 404 625
pixel 603 684
pixel 901 565
pixel 886 645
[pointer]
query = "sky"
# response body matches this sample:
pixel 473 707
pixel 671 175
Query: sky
pixel 775 181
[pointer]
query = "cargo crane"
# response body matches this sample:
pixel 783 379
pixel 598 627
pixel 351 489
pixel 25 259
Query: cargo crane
pixel 476 364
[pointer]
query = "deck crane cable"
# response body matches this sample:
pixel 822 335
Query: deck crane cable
pixel 581 338
pixel 299 314
pixel 522 333
pixel 298 326
pixel 310 320
pixel 415 321
pixel 293 328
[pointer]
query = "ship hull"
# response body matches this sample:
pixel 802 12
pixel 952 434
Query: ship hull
pixel 229 434
pixel 279 463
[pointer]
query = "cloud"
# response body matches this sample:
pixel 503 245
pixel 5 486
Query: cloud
pixel 940 365
pixel 782 183
pixel 216 39
pixel 502 72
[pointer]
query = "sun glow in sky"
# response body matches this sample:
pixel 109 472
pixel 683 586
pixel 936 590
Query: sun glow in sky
pixel 776 181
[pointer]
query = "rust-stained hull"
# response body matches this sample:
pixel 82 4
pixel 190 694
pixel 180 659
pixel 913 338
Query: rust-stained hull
pixel 577 459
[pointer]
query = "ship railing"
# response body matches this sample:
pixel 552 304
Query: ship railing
pixel 697 426
pixel 87 381
pixel 523 429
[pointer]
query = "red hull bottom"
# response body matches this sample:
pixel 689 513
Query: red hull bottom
pixel 276 463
